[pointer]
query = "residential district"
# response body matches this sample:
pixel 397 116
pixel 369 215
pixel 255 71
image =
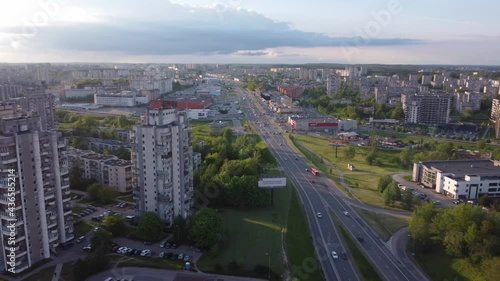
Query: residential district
pixel 73 135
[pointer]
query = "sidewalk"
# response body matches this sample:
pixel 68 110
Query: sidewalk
pixel 57 272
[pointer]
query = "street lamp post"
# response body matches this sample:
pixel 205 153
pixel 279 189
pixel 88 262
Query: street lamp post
pixel 269 266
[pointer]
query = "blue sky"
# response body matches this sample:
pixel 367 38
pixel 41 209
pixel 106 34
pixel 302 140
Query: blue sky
pixel 251 31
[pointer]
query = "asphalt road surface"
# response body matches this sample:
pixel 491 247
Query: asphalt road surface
pixel 319 197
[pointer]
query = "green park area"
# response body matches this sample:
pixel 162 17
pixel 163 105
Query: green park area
pixel 255 234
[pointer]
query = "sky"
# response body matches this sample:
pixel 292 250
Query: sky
pixel 251 31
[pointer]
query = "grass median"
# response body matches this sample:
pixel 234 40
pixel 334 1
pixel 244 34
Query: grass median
pixel 384 225
pixel 360 261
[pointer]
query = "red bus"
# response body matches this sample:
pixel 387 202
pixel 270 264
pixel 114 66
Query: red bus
pixel 314 172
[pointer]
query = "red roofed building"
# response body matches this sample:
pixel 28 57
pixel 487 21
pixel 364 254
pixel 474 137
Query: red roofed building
pixel 291 91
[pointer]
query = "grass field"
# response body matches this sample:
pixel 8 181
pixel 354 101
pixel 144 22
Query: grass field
pixel 78 209
pixel 253 233
pixel 43 275
pixel 365 268
pixel 128 198
pixel 82 228
pixel 384 225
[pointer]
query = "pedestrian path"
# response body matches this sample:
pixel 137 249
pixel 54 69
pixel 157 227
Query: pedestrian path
pixel 57 272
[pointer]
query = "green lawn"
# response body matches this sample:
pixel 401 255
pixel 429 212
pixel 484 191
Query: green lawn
pixel 365 268
pixel 67 272
pixel 408 178
pixel 384 225
pixel 78 209
pixel 253 233
pixel 44 275
pixel 82 228
pixel 151 263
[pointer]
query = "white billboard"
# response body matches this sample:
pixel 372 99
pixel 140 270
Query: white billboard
pixel 272 182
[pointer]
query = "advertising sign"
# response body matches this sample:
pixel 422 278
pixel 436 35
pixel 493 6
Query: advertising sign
pixel 272 182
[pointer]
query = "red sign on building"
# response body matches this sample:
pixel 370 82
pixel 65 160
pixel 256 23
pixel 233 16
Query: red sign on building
pixel 323 124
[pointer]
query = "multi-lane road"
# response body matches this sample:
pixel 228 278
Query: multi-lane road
pixel 318 195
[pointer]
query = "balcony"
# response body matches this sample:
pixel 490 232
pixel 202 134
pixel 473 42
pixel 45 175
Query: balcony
pixel 61 144
pixel 9 161
pixel 164 198
pixel 67 199
pixel 53 238
pixel 4 154
pixel 64 171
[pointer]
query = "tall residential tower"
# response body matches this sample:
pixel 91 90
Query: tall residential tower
pixel 33 154
pixel 163 160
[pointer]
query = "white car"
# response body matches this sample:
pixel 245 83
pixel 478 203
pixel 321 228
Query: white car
pixel 319 215
pixel 334 255
pixel 145 253
pixel 346 213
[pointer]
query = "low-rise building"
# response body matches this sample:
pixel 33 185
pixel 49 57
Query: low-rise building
pixel 122 99
pixel 106 169
pixel 465 180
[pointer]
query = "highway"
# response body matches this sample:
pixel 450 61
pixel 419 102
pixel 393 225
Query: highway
pixel 319 197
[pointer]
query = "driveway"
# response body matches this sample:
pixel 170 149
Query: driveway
pixel 445 201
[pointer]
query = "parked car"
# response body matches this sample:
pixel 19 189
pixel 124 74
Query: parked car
pixel 162 244
pixel 80 239
pixel 360 239
pixel 147 243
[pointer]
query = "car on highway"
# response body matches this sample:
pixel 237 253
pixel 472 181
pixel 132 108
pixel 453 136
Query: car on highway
pixel 334 255
pixel 320 215
pixel 346 213
pixel 343 255
pixel 360 239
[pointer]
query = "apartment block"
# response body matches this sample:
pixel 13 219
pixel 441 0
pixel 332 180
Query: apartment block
pixel 426 108
pixel 467 102
pixel 495 110
pixel 163 161
pixel 35 157
pixel 106 169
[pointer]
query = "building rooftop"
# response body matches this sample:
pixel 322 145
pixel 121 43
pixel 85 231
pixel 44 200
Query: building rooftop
pixel 482 168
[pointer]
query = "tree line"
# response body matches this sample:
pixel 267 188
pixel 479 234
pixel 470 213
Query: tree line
pixel 233 165
pixel 466 232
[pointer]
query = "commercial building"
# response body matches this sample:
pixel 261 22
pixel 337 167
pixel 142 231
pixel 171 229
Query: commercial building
pixel 34 156
pixel 78 93
pixel 321 124
pixel 163 162
pixel 468 179
pixel 123 99
pixel 292 91
pixel 80 106
pixel 426 108
pixel 202 102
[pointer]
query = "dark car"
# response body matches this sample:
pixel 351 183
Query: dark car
pixel 343 255
pixel 174 245
pixel 168 255
pixel 147 243
pixel 360 239
pixel 174 256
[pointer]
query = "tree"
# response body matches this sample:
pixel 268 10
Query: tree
pixel 383 182
pixel 101 241
pixel 491 268
pixel 407 200
pixel 481 144
pixel 388 198
pixel 208 227
pixel 349 152
pixel 150 226
pixel 485 201
pixel 93 191
pixel 180 229
pixel 421 225
pixel 107 194
pixel 115 224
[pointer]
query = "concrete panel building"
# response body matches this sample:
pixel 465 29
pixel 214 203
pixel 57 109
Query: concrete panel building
pixel 426 108
pixel 163 162
pixel 35 157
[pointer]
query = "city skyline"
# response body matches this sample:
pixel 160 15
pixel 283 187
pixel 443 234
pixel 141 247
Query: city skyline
pixel 243 31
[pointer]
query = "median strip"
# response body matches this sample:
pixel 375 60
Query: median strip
pixel 364 266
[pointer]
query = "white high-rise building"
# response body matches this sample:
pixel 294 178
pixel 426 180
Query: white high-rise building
pixel 162 155
pixel 37 199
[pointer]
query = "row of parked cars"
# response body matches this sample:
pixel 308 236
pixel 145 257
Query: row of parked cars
pixel 90 209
